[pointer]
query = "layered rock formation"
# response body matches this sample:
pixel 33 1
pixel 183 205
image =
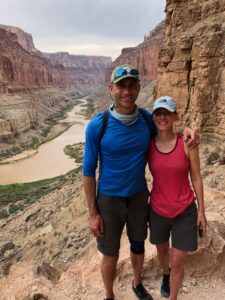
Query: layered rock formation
pixel 21 69
pixel 24 39
pixel 22 65
pixel 82 69
pixel 24 69
pixel 5 129
pixel 24 111
pixel 144 56
pixel 192 63
pixel 16 118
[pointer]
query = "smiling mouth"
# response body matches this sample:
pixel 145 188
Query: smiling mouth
pixel 127 99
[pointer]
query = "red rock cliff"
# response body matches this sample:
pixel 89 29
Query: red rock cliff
pixel 23 66
pixel 21 69
pixel 192 62
pixel 81 68
pixel 145 55
pixel 24 39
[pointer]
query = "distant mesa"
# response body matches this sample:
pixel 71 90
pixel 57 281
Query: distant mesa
pixel 82 69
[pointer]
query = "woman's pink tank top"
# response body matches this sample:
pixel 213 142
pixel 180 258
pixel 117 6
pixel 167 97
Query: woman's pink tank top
pixel 171 191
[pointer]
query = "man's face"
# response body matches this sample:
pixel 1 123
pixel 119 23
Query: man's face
pixel 125 93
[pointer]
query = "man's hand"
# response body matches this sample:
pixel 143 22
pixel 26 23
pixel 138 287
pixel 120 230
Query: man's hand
pixel 96 225
pixel 191 137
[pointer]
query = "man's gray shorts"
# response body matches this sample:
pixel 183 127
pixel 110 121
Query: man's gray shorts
pixel 183 229
pixel 118 211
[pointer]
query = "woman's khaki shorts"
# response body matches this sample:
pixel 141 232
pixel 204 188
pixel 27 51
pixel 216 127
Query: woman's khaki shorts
pixel 118 211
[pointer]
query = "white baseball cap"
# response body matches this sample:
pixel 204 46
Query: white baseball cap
pixel 166 102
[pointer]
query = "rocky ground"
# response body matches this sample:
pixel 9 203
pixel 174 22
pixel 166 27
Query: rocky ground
pixel 46 251
pixel 58 260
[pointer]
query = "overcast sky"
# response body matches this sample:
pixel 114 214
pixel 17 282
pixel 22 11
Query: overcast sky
pixel 90 27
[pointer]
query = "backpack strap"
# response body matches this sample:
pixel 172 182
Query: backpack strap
pixel 149 122
pixel 104 123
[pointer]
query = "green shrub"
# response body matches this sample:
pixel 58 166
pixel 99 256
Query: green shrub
pixel 13 208
pixel 75 151
pixel 31 200
pixel 4 214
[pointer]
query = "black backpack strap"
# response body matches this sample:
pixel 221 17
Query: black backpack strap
pixel 149 122
pixel 105 123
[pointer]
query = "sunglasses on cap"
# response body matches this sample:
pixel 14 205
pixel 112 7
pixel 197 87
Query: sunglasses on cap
pixel 126 71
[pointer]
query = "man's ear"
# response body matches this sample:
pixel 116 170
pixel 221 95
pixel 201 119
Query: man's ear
pixel 110 87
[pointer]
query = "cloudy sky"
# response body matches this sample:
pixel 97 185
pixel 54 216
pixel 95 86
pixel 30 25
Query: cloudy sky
pixel 90 27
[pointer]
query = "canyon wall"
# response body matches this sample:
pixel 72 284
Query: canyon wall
pixel 24 39
pixel 16 118
pixel 192 63
pixel 23 66
pixel 21 69
pixel 25 70
pixel 20 112
pixel 144 56
pixel 82 69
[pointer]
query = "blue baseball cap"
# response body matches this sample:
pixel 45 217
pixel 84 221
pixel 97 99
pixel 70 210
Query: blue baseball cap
pixel 166 102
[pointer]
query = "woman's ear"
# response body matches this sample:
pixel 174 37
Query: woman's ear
pixel 177 116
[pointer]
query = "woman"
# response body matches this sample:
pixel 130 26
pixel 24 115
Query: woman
pixel 173 209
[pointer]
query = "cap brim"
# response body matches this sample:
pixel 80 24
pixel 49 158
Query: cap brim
pixel 163 106
pixel 124 77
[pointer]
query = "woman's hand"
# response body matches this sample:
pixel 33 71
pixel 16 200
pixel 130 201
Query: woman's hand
pixel 202 222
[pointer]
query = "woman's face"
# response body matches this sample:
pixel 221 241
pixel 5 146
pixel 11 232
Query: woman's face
pixel 164 119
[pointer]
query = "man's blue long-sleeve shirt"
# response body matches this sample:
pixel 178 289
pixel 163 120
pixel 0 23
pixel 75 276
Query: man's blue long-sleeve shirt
pixel 122 154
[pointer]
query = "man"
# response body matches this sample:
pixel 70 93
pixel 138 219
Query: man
pixel 122 194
